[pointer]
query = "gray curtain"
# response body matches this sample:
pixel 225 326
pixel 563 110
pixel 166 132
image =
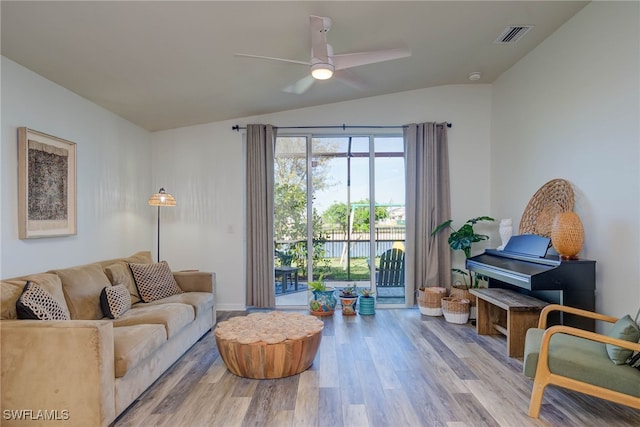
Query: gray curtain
pixel 427 259
pixel 261 141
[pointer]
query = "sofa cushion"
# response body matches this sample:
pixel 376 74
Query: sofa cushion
pixel 173 316
pixel 625 329
pixel 9 294
pixel 82 286
pixel 36 303
pixel 10 291
pixel 119 273
pixel 132 344
pixel 200 301
pixel 581 359
pixel 142 257
pixel 154 281
pixel 115 301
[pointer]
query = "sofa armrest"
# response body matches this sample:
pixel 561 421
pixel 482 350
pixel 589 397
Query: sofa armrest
pixel 63 367
pixel 542 322
pixel 195 281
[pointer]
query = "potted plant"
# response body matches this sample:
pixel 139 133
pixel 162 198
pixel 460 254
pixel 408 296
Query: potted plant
pixel 367 304
pixel 462 240
pixel 323 301
pixel 348 299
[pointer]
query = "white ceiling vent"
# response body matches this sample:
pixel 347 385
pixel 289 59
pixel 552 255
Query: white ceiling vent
pixel 512 34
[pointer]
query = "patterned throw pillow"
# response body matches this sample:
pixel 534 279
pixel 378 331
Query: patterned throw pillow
pixel 120 274
pixel 37 303
pixel 115 301
pixel 154 281
pixel 634 360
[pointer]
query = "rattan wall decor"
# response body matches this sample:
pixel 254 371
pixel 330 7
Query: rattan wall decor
pixel 554 197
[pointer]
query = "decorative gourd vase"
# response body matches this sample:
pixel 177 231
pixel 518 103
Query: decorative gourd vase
pixel 567 235
pixel 367 306
pixel 349 305
pixel 323 303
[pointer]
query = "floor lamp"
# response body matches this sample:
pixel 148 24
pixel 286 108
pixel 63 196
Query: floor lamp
pixel 161 198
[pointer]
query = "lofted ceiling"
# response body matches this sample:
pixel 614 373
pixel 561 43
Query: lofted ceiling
pixel 169 64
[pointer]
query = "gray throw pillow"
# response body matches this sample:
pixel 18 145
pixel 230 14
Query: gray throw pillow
pixel 625 329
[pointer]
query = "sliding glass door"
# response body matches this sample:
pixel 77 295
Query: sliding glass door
pixel 342 196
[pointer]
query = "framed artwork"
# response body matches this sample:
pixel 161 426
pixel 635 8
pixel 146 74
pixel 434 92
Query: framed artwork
pixel 46 185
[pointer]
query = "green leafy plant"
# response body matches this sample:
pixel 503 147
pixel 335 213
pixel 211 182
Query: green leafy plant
pixel 367 293
pixel 462 240
pixel 318 285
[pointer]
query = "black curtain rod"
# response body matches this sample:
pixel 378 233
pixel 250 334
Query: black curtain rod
pixel 343 127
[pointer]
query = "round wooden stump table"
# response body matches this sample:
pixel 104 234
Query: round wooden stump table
pixel 269 345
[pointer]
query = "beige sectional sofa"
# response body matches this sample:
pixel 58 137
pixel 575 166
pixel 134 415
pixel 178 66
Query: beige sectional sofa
pixel 86 371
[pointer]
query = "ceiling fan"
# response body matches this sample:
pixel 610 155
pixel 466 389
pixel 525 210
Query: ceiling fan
pixel 324 64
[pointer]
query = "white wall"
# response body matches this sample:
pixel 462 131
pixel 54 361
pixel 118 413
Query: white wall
pixel 205 230
pixel 113 176
pixel 570 109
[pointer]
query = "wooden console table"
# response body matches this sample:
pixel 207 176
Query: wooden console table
pixel 509 313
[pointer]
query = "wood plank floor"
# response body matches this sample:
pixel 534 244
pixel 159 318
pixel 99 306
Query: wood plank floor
pixel 396 368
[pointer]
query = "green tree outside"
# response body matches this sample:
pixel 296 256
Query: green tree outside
pixel 337 215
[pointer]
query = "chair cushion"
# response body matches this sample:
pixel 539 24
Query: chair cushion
pixel 625 329
pixel 154 281
pixel 134 343
pixel 115 301
pixel 173 316
pixel 581 359
pixel 36 303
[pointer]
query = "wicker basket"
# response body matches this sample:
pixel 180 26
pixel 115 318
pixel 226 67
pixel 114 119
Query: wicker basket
pixel 462 293
pixel 456 310
pixel 429 300
pixel 554 197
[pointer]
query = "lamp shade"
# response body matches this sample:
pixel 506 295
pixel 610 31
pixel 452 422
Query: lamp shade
pixel 162 198
pixel 567 234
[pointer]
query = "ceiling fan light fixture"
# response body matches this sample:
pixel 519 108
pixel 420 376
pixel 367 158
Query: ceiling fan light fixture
pixel 322 71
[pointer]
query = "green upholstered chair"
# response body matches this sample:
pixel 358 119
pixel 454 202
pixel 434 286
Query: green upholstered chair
pixel 578 360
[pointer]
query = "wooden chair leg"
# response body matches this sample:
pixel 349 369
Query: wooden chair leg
pixel 536 398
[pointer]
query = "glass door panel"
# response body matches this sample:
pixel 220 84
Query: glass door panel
pixel 390 219
pixel 290 218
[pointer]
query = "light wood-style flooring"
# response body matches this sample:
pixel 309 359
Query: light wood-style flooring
pixel 396 368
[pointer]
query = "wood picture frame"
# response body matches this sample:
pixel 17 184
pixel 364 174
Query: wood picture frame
pixel 46 185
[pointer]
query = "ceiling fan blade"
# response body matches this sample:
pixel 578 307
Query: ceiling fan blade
pixel 301 86
pixel 350 78
pixel 319 27
pixel 244 55
pixel 349 60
